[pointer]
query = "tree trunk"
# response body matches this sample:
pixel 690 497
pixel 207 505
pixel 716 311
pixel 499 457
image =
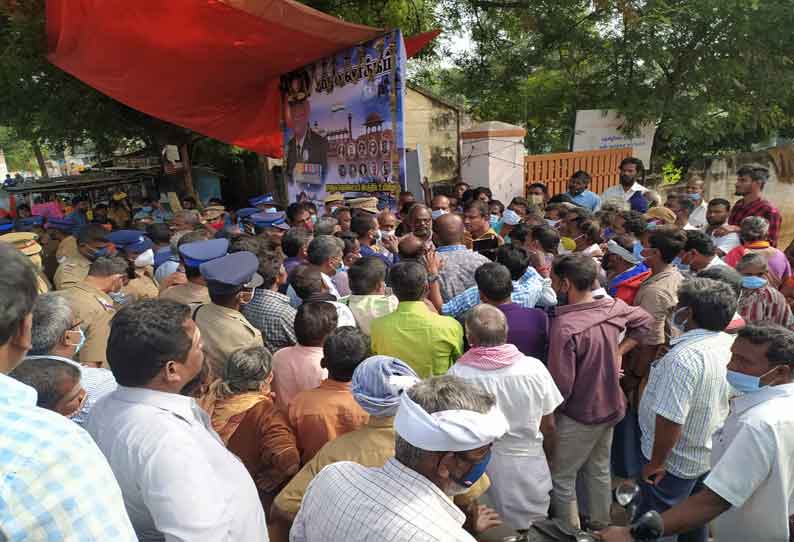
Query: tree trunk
pixel 40 159
pixel 184 154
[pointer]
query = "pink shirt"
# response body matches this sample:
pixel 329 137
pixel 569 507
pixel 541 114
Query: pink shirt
pixel 295 369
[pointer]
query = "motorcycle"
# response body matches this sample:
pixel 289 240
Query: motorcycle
pixel 646 528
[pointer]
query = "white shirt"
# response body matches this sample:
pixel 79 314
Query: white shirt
pixel 352 503
pixel 688 387
pixel 697 217
pixel 754 467
pixel 178 480
pixel 617 194
pixel 727 242
pixel 716 261
pixel 296 301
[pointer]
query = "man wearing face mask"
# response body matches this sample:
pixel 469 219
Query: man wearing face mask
pixel 231 281
pixel 585 361
pixel 325 253
pixel 137 249
pixel 686 398
pixel 445 428
pixel 577 189
pixel 759 301
pixel 57 335
pixel 92 243
pixel 695 192
pixel 365 227
pixel 748 493
pixel 93 307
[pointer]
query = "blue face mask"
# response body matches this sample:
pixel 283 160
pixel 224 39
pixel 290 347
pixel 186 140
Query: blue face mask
pixel 753 283
pixel 680 326
pixel 695 197
pixel 744 383
pixel 495 222
pixel 476 472
pixel 146 209
pixel 81 342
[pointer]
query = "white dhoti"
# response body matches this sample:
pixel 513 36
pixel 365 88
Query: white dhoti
pixel 520 487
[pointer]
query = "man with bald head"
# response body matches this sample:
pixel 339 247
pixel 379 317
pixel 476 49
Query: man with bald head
pixel 460 263
pixel 411 248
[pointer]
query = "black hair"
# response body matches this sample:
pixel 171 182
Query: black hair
pixel 719 201
pixel 632 160
pixel 159 232
pixel 634 223
pixel 314 321
pixel 44 375
pixel 542 186
pixel 523 202
pixel 494 281
pixel 514 258
pixel 669 241
pixel 306 280
pixel 361 223
pixel 579 269
pixel 560 198
pixel 581 175
pixel 713 303
pixel 725 274
pixel 700 242
pixel 23 206
pixel 17 290
pixel 482 190
pixel 520 233
pixel 408 281
pixel 294 240
pixel 590 229
pixel 350 239
pixel 293 210
pixel 144 336
pixel 499 205
pixel 546 236
pixel 344 350
pixel 341 209
pixel 779 339
pixel 270 263
pixel 758 174
pixel 479 205
pixel 107 266
pixel 686 204
pixel 366 274
pixel 91 233
pixel 247 243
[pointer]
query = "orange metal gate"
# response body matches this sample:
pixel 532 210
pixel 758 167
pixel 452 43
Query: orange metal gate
pixel 554 170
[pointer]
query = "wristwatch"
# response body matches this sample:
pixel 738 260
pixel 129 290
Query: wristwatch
pixel 432 278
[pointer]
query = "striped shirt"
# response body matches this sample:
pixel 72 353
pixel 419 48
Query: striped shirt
pixel 55 484
pixel 688 387
pixel 350 502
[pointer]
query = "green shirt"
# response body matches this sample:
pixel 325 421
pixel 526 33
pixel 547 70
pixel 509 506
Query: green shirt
pixel 429 343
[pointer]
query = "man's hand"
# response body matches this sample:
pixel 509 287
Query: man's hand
pixel 724 230
pixel 432 262
pixel 653 474
pixel 485 518
pixel 614 534
pixel 390 243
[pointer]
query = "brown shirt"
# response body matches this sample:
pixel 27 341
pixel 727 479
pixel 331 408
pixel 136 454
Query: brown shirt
pixel 188 293
pixel 658 295
pixel 143 286
pixel 322 414
pixel 224 331
pixel 72 270
pixel 93 309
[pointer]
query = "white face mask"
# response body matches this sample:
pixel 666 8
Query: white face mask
pixel 145 258
pixel 438 213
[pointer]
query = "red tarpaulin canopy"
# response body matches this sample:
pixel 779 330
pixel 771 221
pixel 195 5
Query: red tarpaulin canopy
pixel 209 65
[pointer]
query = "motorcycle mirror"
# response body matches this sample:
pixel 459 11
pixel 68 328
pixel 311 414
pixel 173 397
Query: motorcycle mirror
pixel 626 492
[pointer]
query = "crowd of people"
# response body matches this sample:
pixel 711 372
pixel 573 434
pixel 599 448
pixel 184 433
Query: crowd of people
pixel 436 372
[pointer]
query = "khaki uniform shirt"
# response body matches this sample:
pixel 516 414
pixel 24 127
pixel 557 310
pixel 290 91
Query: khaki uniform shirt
pixel 42 283
pixel 659 295
pixel 73 270
pixel 143 286
pixel 188 293
pixel 224 331
pixel 94 309
pixel 67 248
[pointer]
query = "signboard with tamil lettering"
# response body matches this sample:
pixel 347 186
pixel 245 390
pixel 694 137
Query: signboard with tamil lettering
pixel 343 129
pixel 601 129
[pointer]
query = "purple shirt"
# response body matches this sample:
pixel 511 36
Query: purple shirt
pixel 527 329
pixel 291 263
pixel 583 344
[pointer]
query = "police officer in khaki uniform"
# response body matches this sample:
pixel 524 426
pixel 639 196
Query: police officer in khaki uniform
pixel 192 255
pixel 92 243
pixel 59 230
pixel 137 249
pixel 26 242
pixel 231 281
pixel 93 307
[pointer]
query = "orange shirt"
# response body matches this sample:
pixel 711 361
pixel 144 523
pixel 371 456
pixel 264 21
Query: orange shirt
pixel 322 414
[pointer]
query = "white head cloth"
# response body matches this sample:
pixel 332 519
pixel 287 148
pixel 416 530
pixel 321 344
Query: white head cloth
pixel 447 430
pixel 630 257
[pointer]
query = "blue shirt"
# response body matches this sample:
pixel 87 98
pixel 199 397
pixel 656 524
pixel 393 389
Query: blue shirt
pixel 55 484
pixel 526 293
pixel 588 200
pixel 369 251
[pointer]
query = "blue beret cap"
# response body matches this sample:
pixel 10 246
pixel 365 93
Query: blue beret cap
pixel 130 240
pixel 247 211
pixel 26 224
pixel 62 224
pixel 195 254
pixel 270 220
pixel 232 272
pixel 261 200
